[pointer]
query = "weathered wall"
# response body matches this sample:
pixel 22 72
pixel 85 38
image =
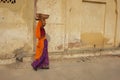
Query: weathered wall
pixel 98 25
pixel 16 26
pixel 55 24
pixel 81 24
pixel 72 25
pixel 118 25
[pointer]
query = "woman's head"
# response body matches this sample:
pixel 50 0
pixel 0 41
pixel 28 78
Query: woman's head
pixel 42 17
pixel 43 21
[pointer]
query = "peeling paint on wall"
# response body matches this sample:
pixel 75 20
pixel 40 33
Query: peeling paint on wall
pixel 60 47
pixel 86 23
pixel 74 45
pixel 73 24
pixel 16 26
pixel 94 39
pixel 13 30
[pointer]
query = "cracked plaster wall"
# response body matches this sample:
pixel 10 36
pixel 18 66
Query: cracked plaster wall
pixel 16 26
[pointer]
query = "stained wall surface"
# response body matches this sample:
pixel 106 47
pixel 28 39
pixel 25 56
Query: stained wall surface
pixel 81 24
pixel 72 25
pixel 16 26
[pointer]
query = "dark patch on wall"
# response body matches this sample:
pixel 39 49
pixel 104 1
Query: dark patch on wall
pixel 74 44
pixel 119 45
pixel 60 47
pixel 94 39
pixel 19 54
pixel 97 2
pixel 8 1
pixel 70 9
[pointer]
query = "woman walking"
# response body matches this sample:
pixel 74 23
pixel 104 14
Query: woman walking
pixel 41 56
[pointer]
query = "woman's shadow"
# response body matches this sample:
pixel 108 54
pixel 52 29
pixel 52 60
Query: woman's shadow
pixel 48 37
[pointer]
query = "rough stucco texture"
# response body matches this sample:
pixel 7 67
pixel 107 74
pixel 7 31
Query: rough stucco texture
pixel 80 24
pixel 73 24
pixel 16 22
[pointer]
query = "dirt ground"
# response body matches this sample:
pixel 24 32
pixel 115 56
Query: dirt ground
pixel 84 68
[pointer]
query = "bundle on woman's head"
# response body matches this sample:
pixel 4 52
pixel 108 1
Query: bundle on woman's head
pixel 41 16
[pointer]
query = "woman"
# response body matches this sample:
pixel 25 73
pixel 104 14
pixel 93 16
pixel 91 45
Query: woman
pixel 41 56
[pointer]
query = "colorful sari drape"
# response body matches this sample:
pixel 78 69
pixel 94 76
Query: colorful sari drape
pixel 41 56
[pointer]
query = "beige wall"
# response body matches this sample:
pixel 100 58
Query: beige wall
pixel 118 25
pixel 55 24
pixel 80 24
pixel 72 25
pixel 16 26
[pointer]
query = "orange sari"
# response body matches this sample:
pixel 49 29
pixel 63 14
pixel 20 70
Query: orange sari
pixel 40 44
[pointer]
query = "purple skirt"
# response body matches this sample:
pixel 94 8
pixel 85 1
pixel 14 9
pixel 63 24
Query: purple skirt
pixel 43 62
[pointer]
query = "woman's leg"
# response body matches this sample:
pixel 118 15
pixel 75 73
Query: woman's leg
pixel 45 61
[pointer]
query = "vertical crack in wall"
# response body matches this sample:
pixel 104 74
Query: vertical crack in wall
pixel 23 7
pixel 116 12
